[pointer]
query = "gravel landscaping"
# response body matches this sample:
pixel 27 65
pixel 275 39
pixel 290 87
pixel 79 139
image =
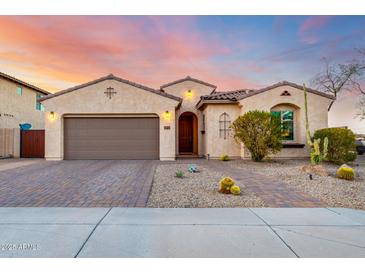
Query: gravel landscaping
pixel 195 189
pixel 331 190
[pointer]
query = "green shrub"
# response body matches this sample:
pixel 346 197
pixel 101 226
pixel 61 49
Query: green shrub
pixel 224 158
pixel 260 132
pixel 346 172
pixel 179 174
pixel 352 156
pixel 235 190
pixel 341 144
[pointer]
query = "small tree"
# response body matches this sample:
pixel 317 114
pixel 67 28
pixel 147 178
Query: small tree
pixel 339 77
pixel 260 132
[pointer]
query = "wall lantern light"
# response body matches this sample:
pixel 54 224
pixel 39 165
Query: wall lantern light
pixel 51 115
pixel 167 115
pixel 189 93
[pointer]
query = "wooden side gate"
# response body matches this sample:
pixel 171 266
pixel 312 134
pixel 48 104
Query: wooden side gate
pixel 32 143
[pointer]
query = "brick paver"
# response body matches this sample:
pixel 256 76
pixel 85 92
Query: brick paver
pixel 108 183
pixel 272 191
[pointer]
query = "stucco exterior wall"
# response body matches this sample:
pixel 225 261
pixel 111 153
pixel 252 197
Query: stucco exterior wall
pixel 271 100
pixel 188 105
pixel 216 145
pixel 17 109
pixel 91 100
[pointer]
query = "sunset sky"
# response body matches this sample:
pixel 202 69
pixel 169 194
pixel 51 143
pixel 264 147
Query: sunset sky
pixel 232 52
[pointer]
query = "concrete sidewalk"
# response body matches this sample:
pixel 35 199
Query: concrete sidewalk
pixel 195 232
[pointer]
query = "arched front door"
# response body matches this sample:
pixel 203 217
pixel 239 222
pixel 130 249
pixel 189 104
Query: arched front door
pixel 188 133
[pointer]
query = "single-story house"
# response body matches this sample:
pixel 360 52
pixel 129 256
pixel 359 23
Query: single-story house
pixel 113 118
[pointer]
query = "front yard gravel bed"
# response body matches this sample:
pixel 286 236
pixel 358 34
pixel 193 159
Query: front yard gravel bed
pixel 331 190
pixel 195 189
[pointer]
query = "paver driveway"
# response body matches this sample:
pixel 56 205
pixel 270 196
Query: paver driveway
pixel 107 183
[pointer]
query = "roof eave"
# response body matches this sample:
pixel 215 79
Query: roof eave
pixel 188 78
pixel 285 83
pixel 112 77
pixel 25 84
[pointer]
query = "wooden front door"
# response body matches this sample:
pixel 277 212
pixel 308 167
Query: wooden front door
pixel 186 134
pixel 32 144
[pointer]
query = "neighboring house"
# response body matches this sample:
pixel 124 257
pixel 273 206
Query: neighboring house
pixel 19 103
pixel 113 118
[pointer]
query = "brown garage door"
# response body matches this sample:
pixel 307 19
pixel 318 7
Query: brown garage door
pixel 111 138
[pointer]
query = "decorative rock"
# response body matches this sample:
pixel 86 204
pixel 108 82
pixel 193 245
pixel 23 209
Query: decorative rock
pixel 315 169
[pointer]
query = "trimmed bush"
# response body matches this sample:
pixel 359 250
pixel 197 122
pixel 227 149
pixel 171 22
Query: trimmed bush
pixel 235 190
pixel 346 172
pixel 341 144
pixel 224 158
pixel 260 132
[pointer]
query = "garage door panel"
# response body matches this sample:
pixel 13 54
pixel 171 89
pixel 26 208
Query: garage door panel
pixel 111 138
pixel 110 145
pixel 128 134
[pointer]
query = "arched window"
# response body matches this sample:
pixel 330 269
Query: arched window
pixel 288 115
pixel 287 123
pixel 224 125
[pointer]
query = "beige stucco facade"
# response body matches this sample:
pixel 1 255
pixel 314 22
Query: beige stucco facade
pixel 271 100
pixel 216 144
pixel 91 101
pixel 18 109
pixel 190 92
pixel 183 96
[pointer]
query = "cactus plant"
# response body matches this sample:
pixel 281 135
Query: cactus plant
pixel 225 185
pixel 316 155
pixel 224 157
pixel 346 172
pixel 235 190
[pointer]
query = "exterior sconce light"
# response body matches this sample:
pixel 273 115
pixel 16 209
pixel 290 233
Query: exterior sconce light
pixel 51 115
pixel 167 115
pixel 189 93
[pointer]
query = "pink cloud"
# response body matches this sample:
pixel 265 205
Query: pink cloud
pixel 56 52
pixel 308 29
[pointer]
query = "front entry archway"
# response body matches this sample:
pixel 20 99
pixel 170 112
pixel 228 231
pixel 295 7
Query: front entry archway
pixel 188 133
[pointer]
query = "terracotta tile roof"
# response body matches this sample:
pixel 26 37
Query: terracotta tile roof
pixel 112 77
pixel 188 78
pixel 226 95
pixel 22 83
